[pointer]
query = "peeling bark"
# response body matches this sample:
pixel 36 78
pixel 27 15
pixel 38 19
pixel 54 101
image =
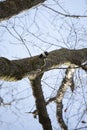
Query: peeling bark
pixel 34 67
pixel 67 81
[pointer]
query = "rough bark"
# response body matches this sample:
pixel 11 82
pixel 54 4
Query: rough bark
pixel 40 103
pixel 10 8
pixel 33 66
pixel 67 81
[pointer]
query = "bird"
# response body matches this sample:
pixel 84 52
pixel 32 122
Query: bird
pixel 43 55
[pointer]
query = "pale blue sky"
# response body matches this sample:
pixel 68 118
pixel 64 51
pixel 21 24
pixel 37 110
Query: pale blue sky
pixel 40 29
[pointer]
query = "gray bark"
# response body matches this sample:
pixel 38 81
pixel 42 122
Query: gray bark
pixel 33 66
pixel 40 103
pixel 10 8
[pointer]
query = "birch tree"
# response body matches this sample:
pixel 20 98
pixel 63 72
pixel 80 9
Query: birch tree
pixel 34 67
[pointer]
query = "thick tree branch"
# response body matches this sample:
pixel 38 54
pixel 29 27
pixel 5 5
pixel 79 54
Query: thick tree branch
pixel 9 8
pixel 67 81
pixel 33 66
pixel 35 112
pixel 40 103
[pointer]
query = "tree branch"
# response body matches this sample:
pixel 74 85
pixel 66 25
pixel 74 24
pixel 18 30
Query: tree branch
pixel 64 14
pixel 67 81
pixel 35 112
pixel 31 67
pixel 40 103
pixel 10 8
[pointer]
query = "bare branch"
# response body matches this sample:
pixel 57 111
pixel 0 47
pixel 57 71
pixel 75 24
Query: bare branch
pixel 35 112
pixel 31 67
pixel 67 81
pixel 40 103
pixel 65 15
